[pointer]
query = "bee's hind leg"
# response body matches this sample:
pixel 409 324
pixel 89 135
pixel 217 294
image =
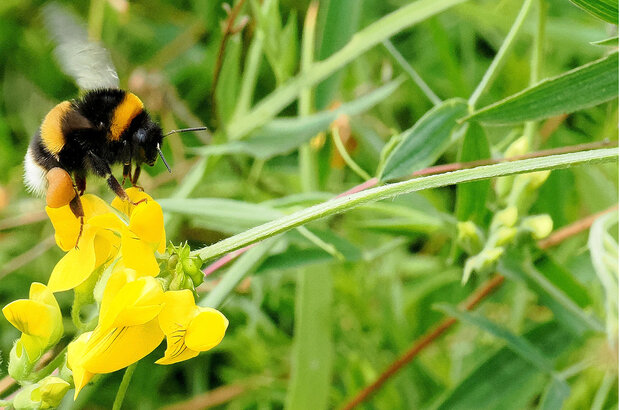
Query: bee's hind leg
pixel 80 183
pixel 76 207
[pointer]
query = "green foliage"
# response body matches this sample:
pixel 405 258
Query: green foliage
pixel 339 286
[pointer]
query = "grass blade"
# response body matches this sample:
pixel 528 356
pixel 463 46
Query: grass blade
pixel 342 204
pixel 583 87
pixel 422 144
pixel 312 349
pixel 517 344
pixel 361 42
pixel 606 10
pixel 471 198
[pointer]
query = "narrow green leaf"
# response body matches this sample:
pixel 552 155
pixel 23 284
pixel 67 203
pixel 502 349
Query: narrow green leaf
pixel 604 9
pixel 227 215
pixel 342 204
pixel 422 144
pixel 564 280
pixel 517 266
pixel 338 21
pixel 583 87
pixel 283 135
pixel 553 398
pixel 312 349
pixel 471 198
pixel 517 344
pixel 243 266
pixel 507 381
pixel 228 86
pixel 361 42
pixel 611 42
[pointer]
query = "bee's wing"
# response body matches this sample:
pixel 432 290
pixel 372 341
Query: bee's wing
pixel 86 61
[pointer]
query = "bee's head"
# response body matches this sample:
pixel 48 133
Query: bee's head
pixel 146 141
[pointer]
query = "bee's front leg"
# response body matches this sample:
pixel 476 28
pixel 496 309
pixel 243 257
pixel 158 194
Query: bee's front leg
pixel 136 175
pixel 127 174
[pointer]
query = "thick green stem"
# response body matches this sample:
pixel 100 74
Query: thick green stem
pixel 345 203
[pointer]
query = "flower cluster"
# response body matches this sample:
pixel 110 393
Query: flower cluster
pixel 116 265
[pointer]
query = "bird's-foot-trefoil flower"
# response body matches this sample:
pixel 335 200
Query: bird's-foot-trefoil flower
pixel 38 318
pixel 45 394
pixel 189 329
pixel 116 265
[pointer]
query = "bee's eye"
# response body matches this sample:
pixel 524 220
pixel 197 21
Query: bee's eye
pixel 140 136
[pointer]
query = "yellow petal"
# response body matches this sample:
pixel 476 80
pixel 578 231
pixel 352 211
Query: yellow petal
pixel 177 353
pixel 138 255
pixel 41 293
pixel 75 355
pixel 147 222
pixel 119 347
pixel 135 303
pixel 108 221
pixel 66 226
pixel 206 330
pixel 119 278
pixel 107 245
pixel 93 206
pixel 177 311
pixel 135 195
pixel 76 266
pixel 30 317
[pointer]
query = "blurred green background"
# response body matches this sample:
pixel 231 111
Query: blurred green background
pixel 394 259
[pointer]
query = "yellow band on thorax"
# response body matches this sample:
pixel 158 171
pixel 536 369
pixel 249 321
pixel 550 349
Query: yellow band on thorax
pixel 124 113
pixel 51 128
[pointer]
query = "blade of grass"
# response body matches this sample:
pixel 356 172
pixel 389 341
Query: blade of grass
pixel 606 10
pixel 583 87
pixel 419 81
pixel 342 204
pixel 516 343
pixel 500 57
pixel 361 42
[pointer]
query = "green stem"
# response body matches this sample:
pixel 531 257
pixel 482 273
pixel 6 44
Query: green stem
pixel 50 367
pixel 95 19
pixel 535 67
pixel 411 72
pixel 307 157
pixel 500 57
pixel 345 203
pixel 342 150
pixel 122 389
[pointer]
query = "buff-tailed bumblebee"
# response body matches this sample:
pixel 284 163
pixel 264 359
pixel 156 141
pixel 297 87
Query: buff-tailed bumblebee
pixel 88 135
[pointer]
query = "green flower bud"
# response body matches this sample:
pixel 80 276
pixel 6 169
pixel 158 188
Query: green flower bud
pixel 503 236
pixel 539 225
pixel 20 365
pixel 481 262
pixel 23 398
pixel 469 237
pixel 520 146
pixel 50 392
pixel 507 217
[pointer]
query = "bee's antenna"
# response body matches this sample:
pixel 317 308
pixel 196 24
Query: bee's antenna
pixel 185 130
pixel 161 154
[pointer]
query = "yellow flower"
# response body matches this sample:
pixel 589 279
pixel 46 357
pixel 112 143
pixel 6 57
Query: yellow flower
pixel 38 318
pixel 67 226
pixel 189 329
pixel 45 394
pixel 127 331
pixel 75 353
pixel 145 233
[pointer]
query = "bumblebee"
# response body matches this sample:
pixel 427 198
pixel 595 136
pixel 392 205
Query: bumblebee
pixel 88 135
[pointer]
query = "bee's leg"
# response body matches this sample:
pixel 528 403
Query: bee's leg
pixel 101 168
pixel 126 174
pixel 76 207
pixel 80 184
pixel 119 191
pixel 136 175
